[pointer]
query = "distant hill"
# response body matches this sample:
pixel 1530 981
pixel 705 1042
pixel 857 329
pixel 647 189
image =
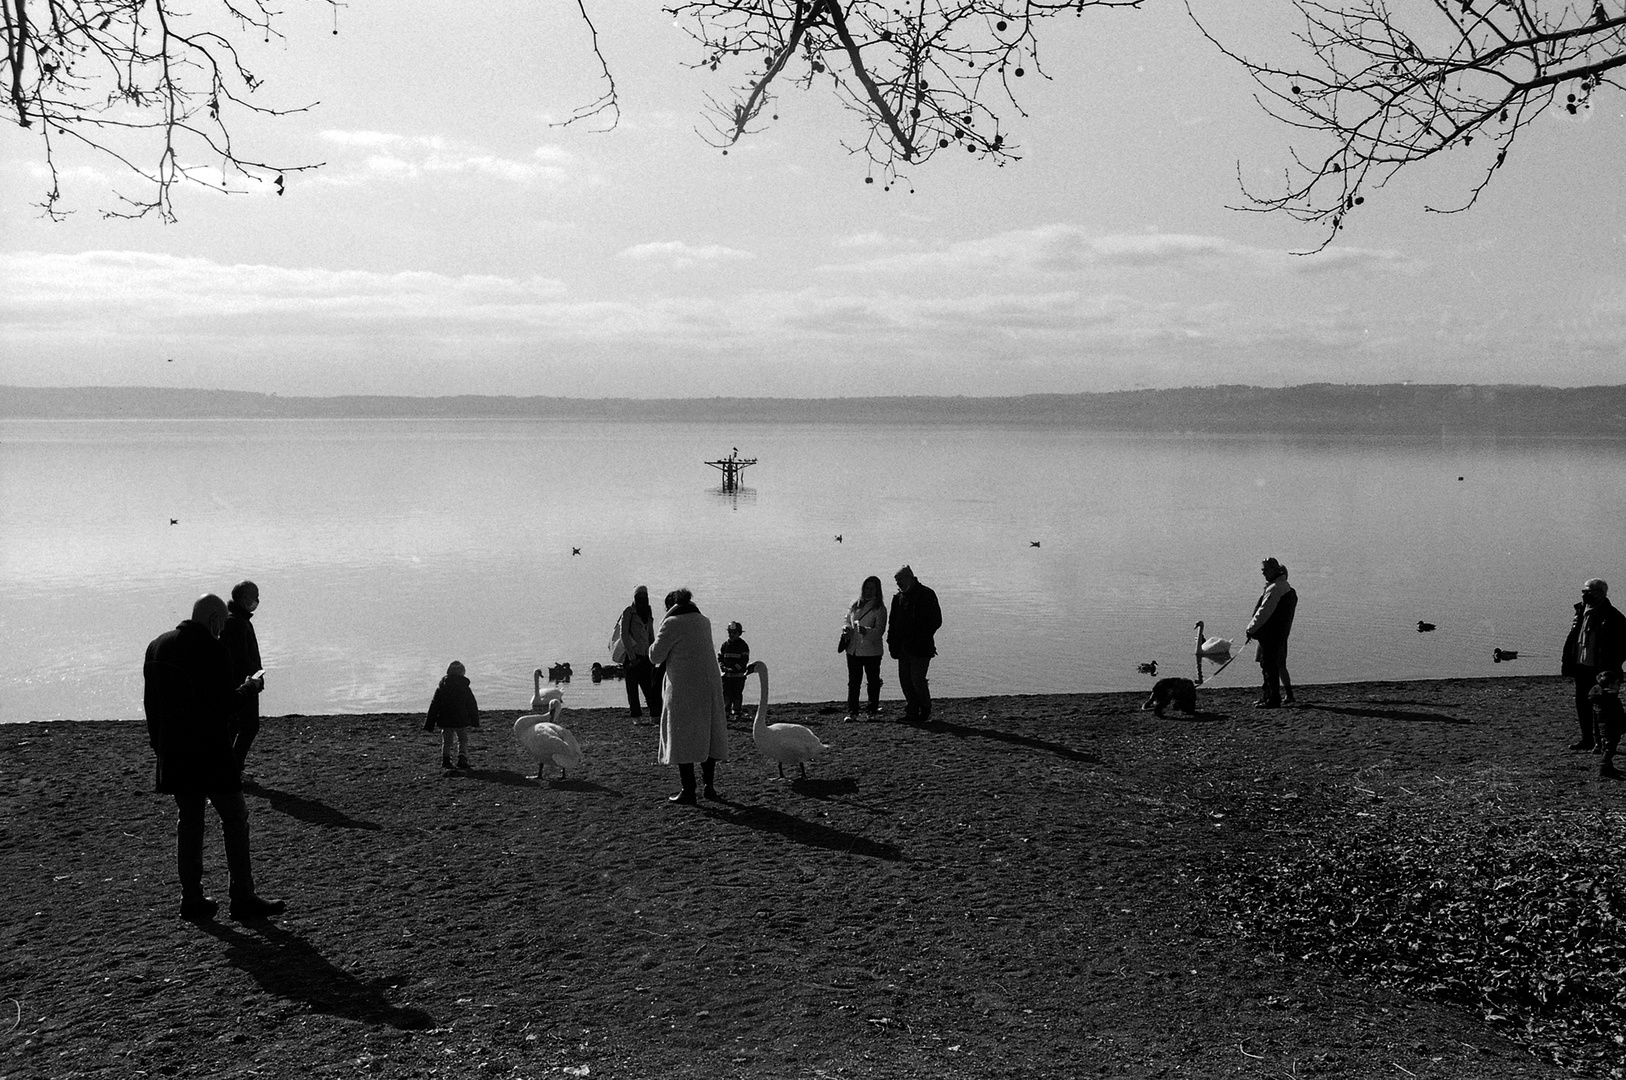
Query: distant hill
pixel 1322 408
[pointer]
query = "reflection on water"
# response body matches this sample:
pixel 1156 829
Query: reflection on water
pixel 385 549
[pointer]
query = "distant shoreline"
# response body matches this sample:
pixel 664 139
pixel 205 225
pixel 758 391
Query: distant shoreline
pixel 1389 410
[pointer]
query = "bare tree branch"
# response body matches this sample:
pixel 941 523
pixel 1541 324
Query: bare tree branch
pixel 921 77
pixel 122 77
pixel 1383 89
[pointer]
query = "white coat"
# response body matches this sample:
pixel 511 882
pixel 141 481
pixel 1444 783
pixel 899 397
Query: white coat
pixel 694 726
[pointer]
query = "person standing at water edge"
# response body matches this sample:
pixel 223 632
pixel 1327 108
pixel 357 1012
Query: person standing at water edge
pixel 866 633
pixel 453 710
pixel 1271 623
pixel 637 632
pixel 1596 642
pixel 693 724
pixel 243 646
pixel 732 660
pixel 915 619
pixel 192 702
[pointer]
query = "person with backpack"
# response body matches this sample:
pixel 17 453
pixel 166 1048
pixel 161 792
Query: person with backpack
pixel 637 632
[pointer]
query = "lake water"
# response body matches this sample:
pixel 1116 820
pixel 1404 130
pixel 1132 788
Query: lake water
pixel 384 549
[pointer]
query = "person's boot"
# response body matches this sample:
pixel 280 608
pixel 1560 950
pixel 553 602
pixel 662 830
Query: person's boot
pixel 198 908
pixel 446 761
pixel 708 772
pixel 463 762
pixel 686 796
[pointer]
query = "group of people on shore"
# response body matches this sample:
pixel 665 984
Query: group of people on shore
pixel 203 682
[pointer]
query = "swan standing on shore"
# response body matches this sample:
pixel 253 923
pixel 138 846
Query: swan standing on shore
pixel 784 743
pixel 542 736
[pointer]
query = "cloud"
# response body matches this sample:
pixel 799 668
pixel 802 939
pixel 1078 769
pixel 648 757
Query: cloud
pixel 403 158
pixel 1067 249
pixel 678 255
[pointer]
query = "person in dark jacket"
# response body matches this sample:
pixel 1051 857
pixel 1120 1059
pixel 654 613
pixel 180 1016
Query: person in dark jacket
pixel 733 657
pixel 910 639
pixel 191 702
pixel 1271 623
pixel 453 710
pixel 244 649
pixel 1596 642
pixel 637 634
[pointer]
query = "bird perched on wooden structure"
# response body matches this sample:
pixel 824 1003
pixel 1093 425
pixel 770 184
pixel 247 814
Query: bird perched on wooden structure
pixel 784 743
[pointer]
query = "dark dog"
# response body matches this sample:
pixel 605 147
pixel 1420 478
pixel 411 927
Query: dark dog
pixel 1181 693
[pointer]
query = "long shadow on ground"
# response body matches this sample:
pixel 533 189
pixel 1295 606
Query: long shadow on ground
pixel 803 832
pixel 962 731
pixel 288 966
pixel 310 811
pixel 1405 715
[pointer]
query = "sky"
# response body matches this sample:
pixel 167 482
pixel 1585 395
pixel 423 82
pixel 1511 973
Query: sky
pixel 456 240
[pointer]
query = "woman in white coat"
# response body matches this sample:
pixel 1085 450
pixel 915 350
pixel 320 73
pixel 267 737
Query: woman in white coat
pixel 694 727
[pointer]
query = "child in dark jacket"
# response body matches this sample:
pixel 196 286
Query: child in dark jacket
pixel 453 710
pixel 733 658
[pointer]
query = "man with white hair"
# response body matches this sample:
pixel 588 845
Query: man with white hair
pixel 192 704
pixel 1596 642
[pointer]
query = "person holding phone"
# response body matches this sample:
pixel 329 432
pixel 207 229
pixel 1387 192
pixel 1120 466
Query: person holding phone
pixel 192 700
pixel 244 649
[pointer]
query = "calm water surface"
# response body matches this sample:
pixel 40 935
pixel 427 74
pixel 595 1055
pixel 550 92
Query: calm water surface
pixel 384 549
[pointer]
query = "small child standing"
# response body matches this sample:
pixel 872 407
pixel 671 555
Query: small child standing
pixel 453 709
pixel 733 658
pixel 1608 720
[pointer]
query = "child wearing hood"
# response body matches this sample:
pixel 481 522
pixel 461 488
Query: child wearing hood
pixel 453 709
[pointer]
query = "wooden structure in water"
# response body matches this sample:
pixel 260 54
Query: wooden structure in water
pixel 733 469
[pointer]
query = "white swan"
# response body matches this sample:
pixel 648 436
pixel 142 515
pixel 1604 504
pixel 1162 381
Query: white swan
pixel 783 743
pixel 544 738
pixel 1214 648
pixel 539 701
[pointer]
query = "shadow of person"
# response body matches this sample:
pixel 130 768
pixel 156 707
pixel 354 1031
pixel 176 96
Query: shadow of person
pixel 764 819
pixel 1406 715
pixel 574 783
pixel 310 811
pixel 289 967
pixel 963 731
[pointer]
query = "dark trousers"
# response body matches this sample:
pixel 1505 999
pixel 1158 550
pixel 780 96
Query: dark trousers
pixel 640 675
pixel 733 694
pixel 233 814
pixel 1272 665
pixel 248 726
pixel 857 668
pixel 1585 679
pixel 917 694
pixel 708 773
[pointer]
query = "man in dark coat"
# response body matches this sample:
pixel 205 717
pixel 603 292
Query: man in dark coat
pixel 1596 642
pixel 1271 623
pixel 243 646
pixel 191 702
pixel 910 628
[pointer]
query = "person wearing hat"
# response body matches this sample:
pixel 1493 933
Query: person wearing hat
pixel 732 660
pixel 1596 643
pixel 1271 623
pixel 453 710
pixel 910 639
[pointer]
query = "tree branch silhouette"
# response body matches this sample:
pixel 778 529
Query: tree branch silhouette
pixel 1379 89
